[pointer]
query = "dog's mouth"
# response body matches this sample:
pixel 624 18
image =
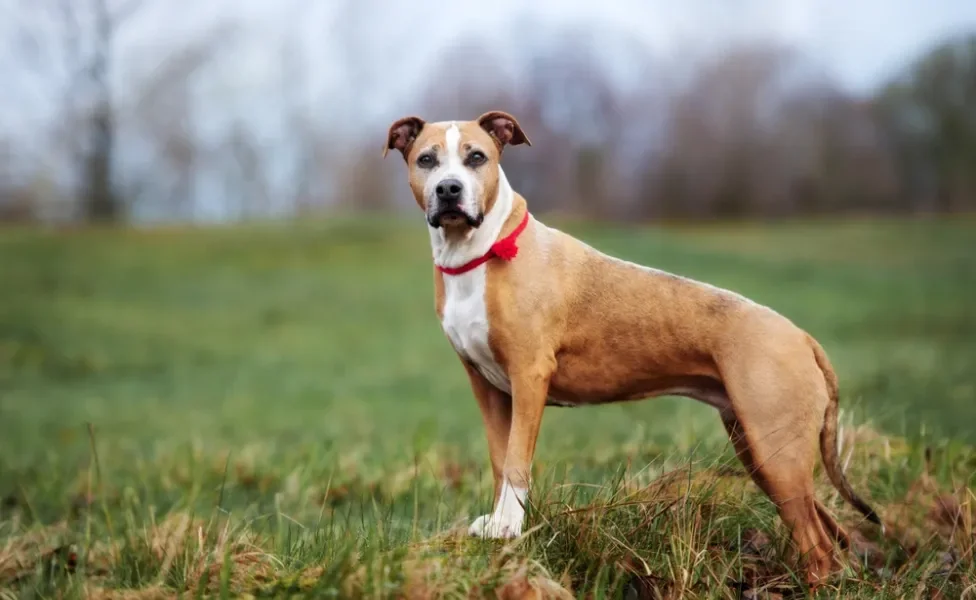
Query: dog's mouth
pixel 454 217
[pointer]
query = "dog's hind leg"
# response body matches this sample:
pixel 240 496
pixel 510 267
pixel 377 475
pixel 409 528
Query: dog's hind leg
pixel 783 476
pixel 777 413
pixel 833 528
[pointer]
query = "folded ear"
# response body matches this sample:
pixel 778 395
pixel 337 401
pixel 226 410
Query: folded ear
pixel 504 128
pixel 402 134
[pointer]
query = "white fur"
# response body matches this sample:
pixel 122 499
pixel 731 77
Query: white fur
pixel 453 168
pixel 465 318
pixel 507 518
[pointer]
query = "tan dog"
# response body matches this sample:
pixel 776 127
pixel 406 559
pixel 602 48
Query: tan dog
pixel 538 317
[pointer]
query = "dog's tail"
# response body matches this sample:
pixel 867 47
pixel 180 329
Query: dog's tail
pixel 828 438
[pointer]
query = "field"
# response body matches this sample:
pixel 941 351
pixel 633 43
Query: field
pixel 273 409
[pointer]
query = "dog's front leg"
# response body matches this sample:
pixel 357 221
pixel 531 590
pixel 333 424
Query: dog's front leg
pixel 496 413
pixel 530 386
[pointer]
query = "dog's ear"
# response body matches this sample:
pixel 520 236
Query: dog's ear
pixel 402 134
pixel 503 128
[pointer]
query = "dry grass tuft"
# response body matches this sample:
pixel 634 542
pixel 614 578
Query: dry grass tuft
pixel 25 551
pixel 178 548
pixel 150 593
pixel 523 585
pixel 208 556
pixel 931 514
pixel 432 578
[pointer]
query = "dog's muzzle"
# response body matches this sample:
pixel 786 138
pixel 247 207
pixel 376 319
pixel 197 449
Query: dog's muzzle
pixel 454 214
pixel 449 195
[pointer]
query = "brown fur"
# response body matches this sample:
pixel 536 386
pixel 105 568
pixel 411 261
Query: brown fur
pixel 572 324
pixel 489 134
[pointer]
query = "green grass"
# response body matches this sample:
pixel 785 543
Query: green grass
pixel 289 387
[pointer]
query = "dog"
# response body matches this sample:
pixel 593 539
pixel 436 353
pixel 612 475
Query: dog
pixel 540 318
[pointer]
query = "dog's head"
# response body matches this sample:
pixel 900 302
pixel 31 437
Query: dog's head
pixel 453 165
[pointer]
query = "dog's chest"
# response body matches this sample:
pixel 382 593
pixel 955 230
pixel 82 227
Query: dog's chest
pixel 465 322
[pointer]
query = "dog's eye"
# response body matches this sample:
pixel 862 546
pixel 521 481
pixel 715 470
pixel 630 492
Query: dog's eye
pixel 476 158
pixel 426 161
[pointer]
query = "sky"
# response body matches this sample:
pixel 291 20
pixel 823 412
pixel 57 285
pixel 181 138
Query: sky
pixel 861 43
pixel 365 64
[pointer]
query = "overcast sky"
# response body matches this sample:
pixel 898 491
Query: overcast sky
pixel 365 66
pixel 861 43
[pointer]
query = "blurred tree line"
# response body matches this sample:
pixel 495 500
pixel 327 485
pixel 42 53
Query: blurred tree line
pixel 618 133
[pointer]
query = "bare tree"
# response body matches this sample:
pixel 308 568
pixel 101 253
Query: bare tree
pixel 304 140
pixel 85 34
pixel 929 117
pixel 163 113
pixel 246 177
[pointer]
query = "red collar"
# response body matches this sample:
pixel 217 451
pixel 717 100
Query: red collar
pixel 504 249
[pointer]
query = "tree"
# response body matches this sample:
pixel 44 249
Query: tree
pixel 162 114
pixel 74 41
pixel 930 119
pixel 100 200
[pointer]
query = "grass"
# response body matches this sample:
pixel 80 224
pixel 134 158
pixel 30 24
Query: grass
pixel 272 409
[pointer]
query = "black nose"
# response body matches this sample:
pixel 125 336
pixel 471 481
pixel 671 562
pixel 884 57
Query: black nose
pixel 449 190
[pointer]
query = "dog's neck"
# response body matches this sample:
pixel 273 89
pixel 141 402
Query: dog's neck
pixel 454 251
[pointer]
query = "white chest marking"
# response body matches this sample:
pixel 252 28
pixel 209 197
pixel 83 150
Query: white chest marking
pixel 464 315
pixel 465 318
pixel 465 321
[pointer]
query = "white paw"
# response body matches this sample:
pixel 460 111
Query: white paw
pixel 496 527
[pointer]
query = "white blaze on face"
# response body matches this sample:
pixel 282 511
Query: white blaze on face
pixel 453 139
pixel 452 167
pixel 477 240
